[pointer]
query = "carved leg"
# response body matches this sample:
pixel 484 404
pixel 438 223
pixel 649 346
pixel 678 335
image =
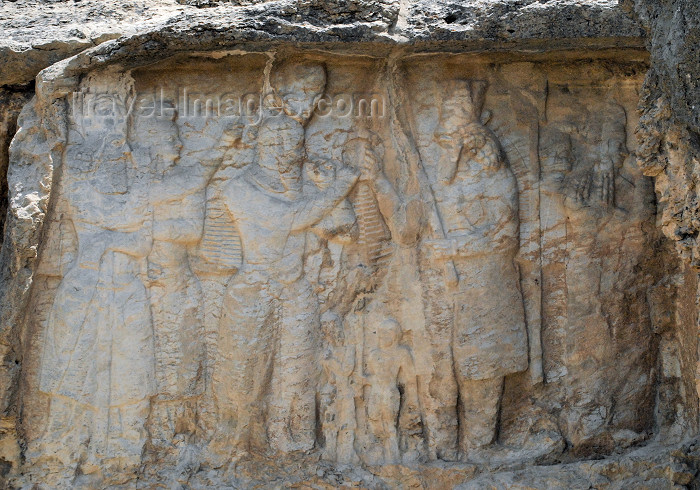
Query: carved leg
pixel 118 437
pixel 392 453
pixel 382 413
pixel 242 371
pixel 345 452
pixel 478 413
pixel 127 434
pixel 439 401
pixel 176 308
pixel 293 407
pixel 375 414
pixel 329 420
pixel 63 443
pixel 176 298
pixel 438 389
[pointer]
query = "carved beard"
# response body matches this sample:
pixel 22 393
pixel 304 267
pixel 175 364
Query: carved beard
pixel 299 107
pixel 109 166
pixel 290 176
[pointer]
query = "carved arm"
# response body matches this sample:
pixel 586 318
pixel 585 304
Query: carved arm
pixel 311 209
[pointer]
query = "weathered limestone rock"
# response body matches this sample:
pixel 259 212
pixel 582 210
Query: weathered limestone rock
pixel 315 244
pixel 37 33
pixel 669 129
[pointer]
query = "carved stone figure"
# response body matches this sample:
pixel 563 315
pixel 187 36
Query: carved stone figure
pixel 477 198
pixel 324 246
pixel 218 255
pixel 269 334
pixel 603 135
pixel 335 291
pixel 402 212
pixel 600 219
pixel 99 331
pixel 390 372
pixel 337 396
pixel 177 188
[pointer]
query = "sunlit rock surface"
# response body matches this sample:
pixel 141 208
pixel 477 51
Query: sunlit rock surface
pixel 372 244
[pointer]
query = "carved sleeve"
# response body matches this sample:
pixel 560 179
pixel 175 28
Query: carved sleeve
pixel 313 208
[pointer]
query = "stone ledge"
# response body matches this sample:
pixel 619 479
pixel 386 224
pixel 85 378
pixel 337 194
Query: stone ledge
pixel 38 34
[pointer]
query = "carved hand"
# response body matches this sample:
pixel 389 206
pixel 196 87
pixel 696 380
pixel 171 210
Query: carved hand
pixel 582 187
pixel 370 166
pixel 606 180
pixel 346 175
pixel 441 249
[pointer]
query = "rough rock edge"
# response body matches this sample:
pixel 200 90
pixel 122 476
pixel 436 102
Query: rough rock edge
pixel 29 180
pixel 179 34
pixel 669 128
pixel 477 25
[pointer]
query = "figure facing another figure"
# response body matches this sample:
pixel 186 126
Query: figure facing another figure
pixel 176 188
pixel 97 363
pixel 477 197
pixel 270 326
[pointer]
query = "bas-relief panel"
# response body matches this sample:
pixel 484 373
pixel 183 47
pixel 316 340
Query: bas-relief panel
pixel 382 262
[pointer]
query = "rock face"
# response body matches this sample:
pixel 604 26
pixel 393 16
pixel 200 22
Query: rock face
pixel 670 126
pixel 369 244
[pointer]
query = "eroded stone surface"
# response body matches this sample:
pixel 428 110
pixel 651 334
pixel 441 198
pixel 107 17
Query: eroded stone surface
pixel 451 266
pixel 233 261
pixel 38 33
pixel 669 130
